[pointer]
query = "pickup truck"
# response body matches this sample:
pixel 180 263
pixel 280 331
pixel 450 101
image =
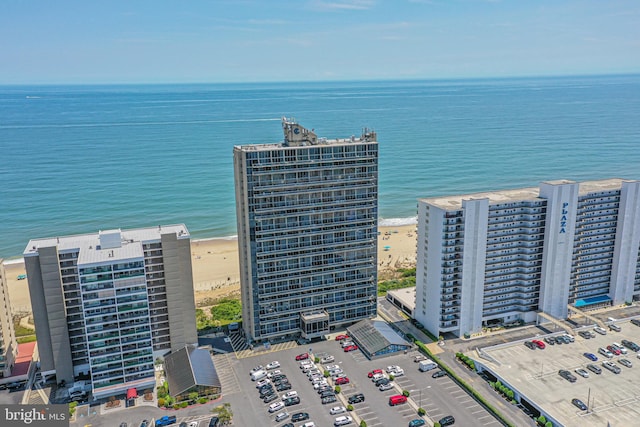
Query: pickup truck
pixel 166 420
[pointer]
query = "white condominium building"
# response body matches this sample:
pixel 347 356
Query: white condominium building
pixel 307 212
pixel 8 344
pixel 106 305
pixel 499 257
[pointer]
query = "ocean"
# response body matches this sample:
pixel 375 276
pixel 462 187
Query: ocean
pixel 78 159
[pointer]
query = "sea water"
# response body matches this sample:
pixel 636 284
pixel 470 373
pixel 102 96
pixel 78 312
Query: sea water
pixel 78 159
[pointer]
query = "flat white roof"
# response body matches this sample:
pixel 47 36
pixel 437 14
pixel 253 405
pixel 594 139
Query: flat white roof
pixel 89 244
pixel 454 202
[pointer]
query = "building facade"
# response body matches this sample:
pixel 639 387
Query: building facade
pixel 499 257
pixel 307 214
pixel 8 344
pixel 106 305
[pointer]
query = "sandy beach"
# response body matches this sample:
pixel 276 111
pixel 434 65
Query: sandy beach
pixel 216 266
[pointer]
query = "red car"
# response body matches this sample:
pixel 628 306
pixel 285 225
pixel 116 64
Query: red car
pixel 342 381
pixel 539 343
pixel 375 371
pixel 613 350
pixel 303 356
pixel 350 348
pixel 342 337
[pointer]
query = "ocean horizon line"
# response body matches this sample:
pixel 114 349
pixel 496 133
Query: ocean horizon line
pixel 345 81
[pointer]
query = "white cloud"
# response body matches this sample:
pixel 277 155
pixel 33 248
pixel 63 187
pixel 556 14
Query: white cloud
pixel 343 5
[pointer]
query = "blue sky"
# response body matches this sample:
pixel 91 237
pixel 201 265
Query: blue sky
pixel 145 41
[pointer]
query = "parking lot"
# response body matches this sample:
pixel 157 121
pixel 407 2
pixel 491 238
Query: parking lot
pixel 610 397
pixel 438 396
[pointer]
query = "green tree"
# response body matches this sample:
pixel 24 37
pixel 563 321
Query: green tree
pixel 224 413
pixel 349 408
pixel 337 389
pixel 548 424
pixel 405 393
pixel 542 420
pixel 363 423
pixel 421 411
pixel 193 396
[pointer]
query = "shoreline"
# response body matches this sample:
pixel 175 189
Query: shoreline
pixel 216 266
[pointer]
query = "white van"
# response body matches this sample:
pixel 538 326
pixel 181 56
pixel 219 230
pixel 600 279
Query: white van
pixel 258 375
pixel 343 421
pixel 427 365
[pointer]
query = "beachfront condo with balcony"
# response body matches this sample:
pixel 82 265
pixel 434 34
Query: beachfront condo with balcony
pixel 500 257
pixel 8 344
pixel 307 216
pixel 105 305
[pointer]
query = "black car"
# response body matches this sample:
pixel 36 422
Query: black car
pixel 381 381
pixel 567 375
pixel 266 391
pixel 327 393
pixel 329 399
pixel 631 345
pixel 283 387
pixel 593 368
pixel 292 401
pixel 438 374
pixel 288 425
pixel 299 416
pixel 579 403
pixel 356 398
pixel 530 345
pixel 213 422
pixel 550 340
pixel 447 421
pixel 635 322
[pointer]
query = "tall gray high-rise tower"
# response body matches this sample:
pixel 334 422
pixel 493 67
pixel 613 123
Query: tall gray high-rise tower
pixel 307 212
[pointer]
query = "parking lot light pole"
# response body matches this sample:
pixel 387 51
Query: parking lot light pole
pixel 588 401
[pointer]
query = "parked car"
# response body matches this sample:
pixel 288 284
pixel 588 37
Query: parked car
pixel 620 347
pixel 625 362
pixel 273 365
pixel 614 327
pixel 374 372
pixel 342 337
pixel 419 422
pixel 600 330
pixel 397 399
pixel 530 345
pixel 327 359
pixel 567 375
pixel 582 372
pixel 342 420
pixel 346 343
pixel 289 395
pixel 584 334
pixel 550 340
pixel 635 322
pixel 614 350
pixel 356 398
pixel 438 374
pixel 605 352
pixel 631 345
pixel 539 344
pixel 274 407
pixel 350 348
pixel 610 366
pixel 385 387
pixel 337 410
pixel 282 416
pixel 342 381
pixel 398 372
pixel 591 356
pixel 292 401
pixel 283 387
pixel 382 381
pixel 329 399
pixel 595 369
pixel 447 421
pixel 299 416
pixel 270 398
pixel 303 356
pixel 579 403
pixel 420 357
